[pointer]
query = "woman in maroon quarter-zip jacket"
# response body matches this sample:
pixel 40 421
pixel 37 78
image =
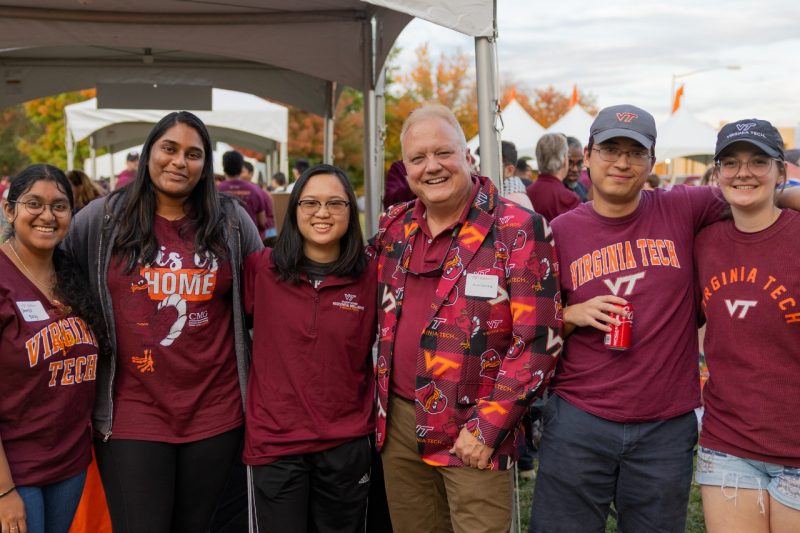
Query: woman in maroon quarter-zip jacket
pixel 310 394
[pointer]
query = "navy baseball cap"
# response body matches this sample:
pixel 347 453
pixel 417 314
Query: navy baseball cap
pixel 624 121
pixel 759 133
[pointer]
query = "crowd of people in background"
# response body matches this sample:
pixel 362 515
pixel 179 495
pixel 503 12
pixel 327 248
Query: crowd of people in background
pixel 330 383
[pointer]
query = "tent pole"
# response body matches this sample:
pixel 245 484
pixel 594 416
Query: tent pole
pixel 111 159
pixel 70 146
pixel 488 104
pixel 371 134
pixel 283 163
pixel 330 114
pixel 93 155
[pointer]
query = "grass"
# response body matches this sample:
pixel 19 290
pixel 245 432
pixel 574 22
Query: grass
pixel 694 519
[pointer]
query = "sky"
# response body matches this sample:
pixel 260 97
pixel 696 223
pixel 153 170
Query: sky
pixel 627 52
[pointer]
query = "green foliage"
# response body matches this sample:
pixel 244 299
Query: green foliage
pixel 15 126
pixel 43 141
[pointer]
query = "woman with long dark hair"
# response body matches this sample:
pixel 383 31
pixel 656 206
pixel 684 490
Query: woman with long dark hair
pixel 310 396
pixel 748 463
pixel 164 255
pixel 48 359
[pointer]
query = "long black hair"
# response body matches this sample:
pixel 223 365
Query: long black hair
pixel 71 287
pixel 288 253
pixel 136 241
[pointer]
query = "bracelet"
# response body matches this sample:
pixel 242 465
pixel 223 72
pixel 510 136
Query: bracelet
pixel 9 491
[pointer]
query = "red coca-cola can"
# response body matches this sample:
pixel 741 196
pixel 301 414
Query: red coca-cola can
pixel 619 338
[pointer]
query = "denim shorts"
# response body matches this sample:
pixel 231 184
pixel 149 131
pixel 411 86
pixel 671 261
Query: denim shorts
pixel 731 473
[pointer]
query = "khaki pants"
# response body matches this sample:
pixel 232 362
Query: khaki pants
pixel 425 498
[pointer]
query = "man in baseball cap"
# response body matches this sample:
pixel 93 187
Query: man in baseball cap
pixel 620 424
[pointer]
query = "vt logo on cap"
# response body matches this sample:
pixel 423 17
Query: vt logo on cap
pixel 626 117
pixel 759 133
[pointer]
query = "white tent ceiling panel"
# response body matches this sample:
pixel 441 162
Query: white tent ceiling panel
pixel 471 17
pixel 574 123
pixel 237 118
pixel 519 128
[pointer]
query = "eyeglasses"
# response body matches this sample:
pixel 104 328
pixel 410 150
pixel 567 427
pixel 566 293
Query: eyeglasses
pixel 334 207
pixel 612 155
pixel 759 166
pixel 35 207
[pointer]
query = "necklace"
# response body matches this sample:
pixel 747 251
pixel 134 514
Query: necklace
pixel 60 307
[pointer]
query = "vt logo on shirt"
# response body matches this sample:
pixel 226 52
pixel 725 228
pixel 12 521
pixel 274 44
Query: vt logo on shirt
pixel 742 306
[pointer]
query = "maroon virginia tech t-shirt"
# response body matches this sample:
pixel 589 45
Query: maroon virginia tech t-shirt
pixel 47 370
pixel 750 287
pixel 176 367
pixel 646 258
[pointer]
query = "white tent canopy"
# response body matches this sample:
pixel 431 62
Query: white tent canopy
pixel 574 123
pixel 683 135
pixel 519 128
pixel 238 118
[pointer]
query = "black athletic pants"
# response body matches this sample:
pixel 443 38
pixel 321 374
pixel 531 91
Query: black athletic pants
pixel 158 487
pixel 321 492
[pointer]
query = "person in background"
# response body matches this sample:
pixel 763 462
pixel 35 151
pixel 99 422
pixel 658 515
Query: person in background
pixel 83 188
pixel 247 174
pixel 748 463
pixel 49 351
pixel 548 194
pixel 278 182
pixel 524 172
pixel 248 193
pixel 300 166
pixel 311 465
pixel 396 189
pixel 653 182
pixel 164 256
pixel 574 169
pixel 131 167
pixel 513 188
pixel 792 168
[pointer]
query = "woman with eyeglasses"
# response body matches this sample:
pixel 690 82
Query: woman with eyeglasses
pixel 310 396
pixel 749 458
pixel 164 255
pixel 48 358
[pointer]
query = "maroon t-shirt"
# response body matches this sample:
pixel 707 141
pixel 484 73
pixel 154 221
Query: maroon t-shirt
pixel 427 255
pixel 646 258
pixel 250 194
pixel 176 377
pixel 311 382
pixel 47 370
pixel 750 287
pixel 550 198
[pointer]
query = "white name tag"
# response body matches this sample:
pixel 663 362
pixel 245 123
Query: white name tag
pixel 32 311
pixel 481 285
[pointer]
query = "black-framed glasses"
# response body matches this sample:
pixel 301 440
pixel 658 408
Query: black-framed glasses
pixel 612 155
pixel 334 207
pixel 35 207
pixel 758 165
pixel 439 270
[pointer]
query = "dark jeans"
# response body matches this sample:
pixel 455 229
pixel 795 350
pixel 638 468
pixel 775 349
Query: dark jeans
pixel 586 462
pixel 322 492
pixel 155 487
pixel 50 508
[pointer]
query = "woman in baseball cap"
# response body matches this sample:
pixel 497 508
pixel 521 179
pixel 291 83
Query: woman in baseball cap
pixel 749 458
